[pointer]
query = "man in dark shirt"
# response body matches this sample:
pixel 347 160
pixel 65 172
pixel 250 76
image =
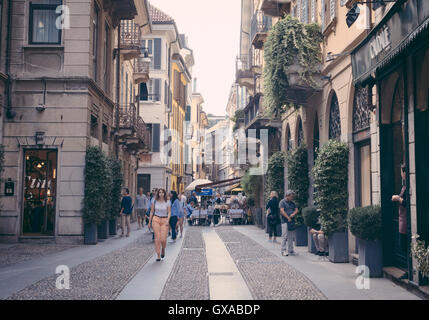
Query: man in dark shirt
pixel 126 211
pixel 193 198
pixel 288 211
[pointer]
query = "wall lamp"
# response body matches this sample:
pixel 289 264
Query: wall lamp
pixel 332 56
pixel 326 78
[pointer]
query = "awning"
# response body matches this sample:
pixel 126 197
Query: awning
pixel 235 187
pixel 405 24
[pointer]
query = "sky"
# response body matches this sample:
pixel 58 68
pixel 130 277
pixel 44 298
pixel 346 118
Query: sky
pixel 213 30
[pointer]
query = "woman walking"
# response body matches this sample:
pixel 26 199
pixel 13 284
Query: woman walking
pixel 126 211
pixel 176 211
pixel 159 216
pixel 273 217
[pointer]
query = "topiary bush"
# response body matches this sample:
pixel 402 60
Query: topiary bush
pixel 275 174
pixel 95 199
pixel 330 173
pixel 298 178
pixel 365 222
pixel 251 185
pixel 288 42
pixel 311 217
pixel 114 179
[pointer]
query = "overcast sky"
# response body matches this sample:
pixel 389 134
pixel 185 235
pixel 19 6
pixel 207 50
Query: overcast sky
pixel 213 30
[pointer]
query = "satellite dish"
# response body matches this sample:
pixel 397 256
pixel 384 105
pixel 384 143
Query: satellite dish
pixel 352 15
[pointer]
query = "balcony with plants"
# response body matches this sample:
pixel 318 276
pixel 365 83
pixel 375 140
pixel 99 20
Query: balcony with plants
pixel 293 63
pixel 260 26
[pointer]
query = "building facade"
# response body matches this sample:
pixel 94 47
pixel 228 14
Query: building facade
pixel 62 96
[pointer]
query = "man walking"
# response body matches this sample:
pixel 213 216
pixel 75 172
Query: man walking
pixel 141 203
pixel 288 211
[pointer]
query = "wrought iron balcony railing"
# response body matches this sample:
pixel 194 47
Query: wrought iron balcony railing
pixel 142 132
pixel 260 26
pixel 133 126
pixel 127 116
pixel 130 34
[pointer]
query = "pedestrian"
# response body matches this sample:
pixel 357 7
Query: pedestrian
pixel 181 217
pixel 176 212
pixel 320 241
pixel 288 210
pixel 142 204
pixel 193 198
pixel 126 211
pixel 189 211
pixel 159 218
pixel 402 199
pixel 273 217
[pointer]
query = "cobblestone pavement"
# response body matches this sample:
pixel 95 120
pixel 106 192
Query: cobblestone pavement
pixel 188 279
pixel 16 253
pixel 98 279
pixel 267 276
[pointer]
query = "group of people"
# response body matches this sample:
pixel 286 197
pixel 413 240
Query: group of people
pixel 284 213
pixel 163 213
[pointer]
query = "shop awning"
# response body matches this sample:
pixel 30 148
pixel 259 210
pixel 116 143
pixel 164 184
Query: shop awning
pixel 405 24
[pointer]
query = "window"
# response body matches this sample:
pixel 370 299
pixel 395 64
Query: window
pixel 289 139
pixel 328 12
pixel 305 11
pixel 300 133
pixel 151 91
pixel 105 134
pixel 106 63
pixel 334 119
pixel 95 29
pixel 157 54
pixel 94 126
pixel 43 29
pixel 147 44
pixel 313 11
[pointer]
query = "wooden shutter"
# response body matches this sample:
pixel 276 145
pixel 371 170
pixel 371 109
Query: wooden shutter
pixel 157 90
pixel 332 9
pixel 305 11
pixel 156 137
pixel 323 14
pixel 313 11
pixel 157 54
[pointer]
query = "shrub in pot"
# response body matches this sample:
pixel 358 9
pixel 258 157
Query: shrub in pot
pixel 299 182
pixel 365 224
pixel 311 220
pixel 330 175
pixel 93 203
pixel 115 193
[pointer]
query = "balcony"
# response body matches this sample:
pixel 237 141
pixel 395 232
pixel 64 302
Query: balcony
pixel 261 25
pixel 141 70
pixel 276 8
pixel 244 72
pixel 254 115
pixel 133 132
pixel 130 40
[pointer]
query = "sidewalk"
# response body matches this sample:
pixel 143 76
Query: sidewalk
pixel 336 280
pixel 16 277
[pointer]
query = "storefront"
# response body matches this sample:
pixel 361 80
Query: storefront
pixel 393 58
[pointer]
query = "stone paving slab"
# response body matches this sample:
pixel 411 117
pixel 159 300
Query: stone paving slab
pixel 99 279
pixel 267 276
pixel 188 279
pixel 15 253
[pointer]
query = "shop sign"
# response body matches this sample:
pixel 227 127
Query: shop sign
pixel 380 42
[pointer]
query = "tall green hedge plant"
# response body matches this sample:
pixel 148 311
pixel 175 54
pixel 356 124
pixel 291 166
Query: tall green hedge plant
pixel 275 174
pixel 330 174
pixel 115 192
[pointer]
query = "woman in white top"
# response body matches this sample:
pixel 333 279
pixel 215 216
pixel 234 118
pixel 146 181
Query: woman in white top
pixel 159 217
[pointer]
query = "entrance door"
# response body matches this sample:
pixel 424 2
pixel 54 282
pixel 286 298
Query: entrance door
pixel 40 188
pixel 143 181
pixel 393 154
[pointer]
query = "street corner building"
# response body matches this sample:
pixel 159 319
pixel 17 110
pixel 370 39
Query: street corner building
pixel 371 92
pixel 69 79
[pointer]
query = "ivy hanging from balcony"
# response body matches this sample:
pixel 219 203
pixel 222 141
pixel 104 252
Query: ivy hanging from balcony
pixel 289 42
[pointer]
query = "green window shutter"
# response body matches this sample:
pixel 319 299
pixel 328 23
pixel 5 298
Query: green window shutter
pixel 323 15
pixel 156 136
pixel 157 54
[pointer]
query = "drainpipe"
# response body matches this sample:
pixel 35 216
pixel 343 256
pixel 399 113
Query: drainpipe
pixel 118 90
pixel 9 113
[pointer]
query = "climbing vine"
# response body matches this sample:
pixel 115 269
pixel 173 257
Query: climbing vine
pixel 290 42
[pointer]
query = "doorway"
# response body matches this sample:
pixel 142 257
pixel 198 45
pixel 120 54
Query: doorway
pixel 393 142
pixel 40 191
pixel 143 181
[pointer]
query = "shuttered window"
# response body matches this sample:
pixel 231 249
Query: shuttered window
pixel 156 134
pixel 313 11
pixel 305 11
pixel 323 10
pixel 157 54
pixel 332 9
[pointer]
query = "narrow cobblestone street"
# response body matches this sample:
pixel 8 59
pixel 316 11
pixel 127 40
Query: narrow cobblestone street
pixel 226 262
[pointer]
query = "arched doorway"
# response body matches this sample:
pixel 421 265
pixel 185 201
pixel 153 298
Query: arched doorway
pixel 392 155
pixel 334 118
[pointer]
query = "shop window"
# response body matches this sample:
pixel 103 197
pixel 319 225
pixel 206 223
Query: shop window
pixel 43 17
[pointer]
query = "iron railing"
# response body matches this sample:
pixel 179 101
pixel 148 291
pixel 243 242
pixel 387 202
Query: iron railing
pixel 140 66
pixel 142 132
pixel 260 24
pixel 130 34
pixel 127 116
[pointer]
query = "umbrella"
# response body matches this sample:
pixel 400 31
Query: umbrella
pixel 196 183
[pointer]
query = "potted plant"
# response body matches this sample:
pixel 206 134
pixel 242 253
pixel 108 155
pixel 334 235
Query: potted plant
pixel 330 175
pixel 299 182
pixel 115 195
pixel 105 180
pixel 311 220
pixel 292 55
pixel 93 203
pixel 251 186
pixel 365 224
pixel 421 253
